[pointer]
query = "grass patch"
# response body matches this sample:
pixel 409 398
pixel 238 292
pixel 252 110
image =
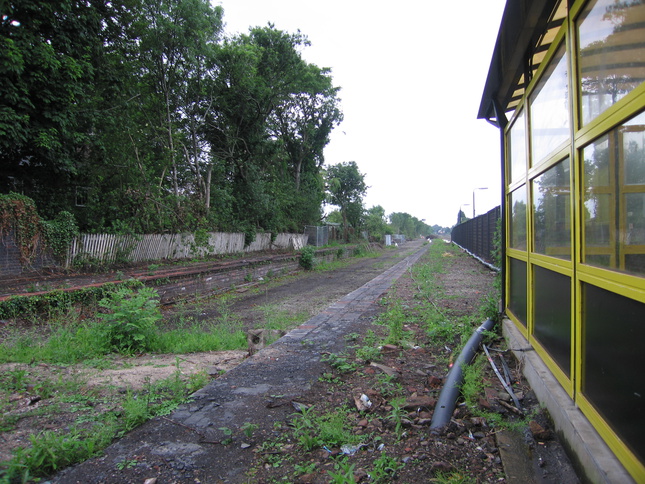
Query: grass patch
pixel 282 319
pixel 314 430
pixel 49 451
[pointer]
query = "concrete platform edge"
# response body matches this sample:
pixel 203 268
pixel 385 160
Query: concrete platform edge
pixel 593 459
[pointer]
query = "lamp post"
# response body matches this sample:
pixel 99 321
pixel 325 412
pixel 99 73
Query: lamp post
pixel 482 188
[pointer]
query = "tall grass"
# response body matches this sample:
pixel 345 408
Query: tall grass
pixel 70 340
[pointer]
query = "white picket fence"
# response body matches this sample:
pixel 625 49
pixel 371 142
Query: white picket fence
pixel 109 248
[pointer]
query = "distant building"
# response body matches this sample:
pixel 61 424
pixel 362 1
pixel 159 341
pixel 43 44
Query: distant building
pixel 566 89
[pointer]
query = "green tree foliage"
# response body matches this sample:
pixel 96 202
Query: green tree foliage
pixel 48 70
pixel 346 188
pixel 376 223
pixel 406 224
pixel 157 120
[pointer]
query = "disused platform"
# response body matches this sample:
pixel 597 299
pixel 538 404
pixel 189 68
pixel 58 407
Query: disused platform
pixel 183 446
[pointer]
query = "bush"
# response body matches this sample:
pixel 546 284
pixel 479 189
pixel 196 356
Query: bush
pixel 307 254
pixel 132 321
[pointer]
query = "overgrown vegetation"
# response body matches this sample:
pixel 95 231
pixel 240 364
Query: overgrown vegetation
pixel 405 325
pixel 49 450
pixel 307 257
pixel 130 325
pixel 59 301
pixel 370 440
pixel 32 235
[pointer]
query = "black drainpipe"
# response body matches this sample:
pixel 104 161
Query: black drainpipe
pixel 501 122
pixel 448 397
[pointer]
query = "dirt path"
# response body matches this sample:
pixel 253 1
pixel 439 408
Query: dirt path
pixel 306 293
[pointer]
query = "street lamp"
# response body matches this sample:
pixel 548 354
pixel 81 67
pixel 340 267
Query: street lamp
pixel 482 188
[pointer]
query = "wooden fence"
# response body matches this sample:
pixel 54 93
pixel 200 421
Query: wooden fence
pixel 128 248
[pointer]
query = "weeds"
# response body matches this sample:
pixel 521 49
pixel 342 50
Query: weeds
pixel 343 472
pixel 341 362
pixel 50 451
pixel 397 414
pixel 131 323
pixel 384 469
pixel 388 386
pixel 473 383
pixel 248 429
pixel 317 430
pixel 282 320
pixel 455 477
pixel 307 257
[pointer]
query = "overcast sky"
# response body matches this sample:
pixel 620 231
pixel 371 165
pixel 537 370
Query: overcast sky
pixel 411 73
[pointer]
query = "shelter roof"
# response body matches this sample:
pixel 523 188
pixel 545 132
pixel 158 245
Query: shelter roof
pixel 527 30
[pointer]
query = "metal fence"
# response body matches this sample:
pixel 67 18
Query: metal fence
pixel 318 235
pixel 477 235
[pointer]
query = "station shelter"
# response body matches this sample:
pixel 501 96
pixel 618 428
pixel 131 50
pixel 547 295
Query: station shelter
pixel 566 88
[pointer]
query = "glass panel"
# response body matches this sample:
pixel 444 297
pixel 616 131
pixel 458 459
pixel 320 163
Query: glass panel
pixel 610 37
pixel 551 214
pixel 634 153
pixel 553 315
pixel 597 223
pixel 517 148
pixel 635 263
pixel 614 204
pixel 517 299
pixel 518 218
pixel 613 362
pixel 635 219
pixel 550 109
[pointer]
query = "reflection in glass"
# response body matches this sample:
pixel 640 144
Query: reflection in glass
pixel 611 53
pixel 552 319
pixel 551 214
pixel 550 109
pixel 614 203
pixel 613 362
pixel 518 218
pixel 517 148
pixel 634 153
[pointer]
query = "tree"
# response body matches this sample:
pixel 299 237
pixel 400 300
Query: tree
pixel 161 123
pixel 46 92
pixel 174 45
pixel 274 113
pixel 345 187
pixel 376 223
pixel 406 224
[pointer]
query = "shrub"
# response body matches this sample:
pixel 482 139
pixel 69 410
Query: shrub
pixel 307 261
pixel 130 324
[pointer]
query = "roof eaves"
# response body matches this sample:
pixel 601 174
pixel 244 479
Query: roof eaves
pixel 523 22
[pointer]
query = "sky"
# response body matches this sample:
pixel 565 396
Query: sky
pixel 411 74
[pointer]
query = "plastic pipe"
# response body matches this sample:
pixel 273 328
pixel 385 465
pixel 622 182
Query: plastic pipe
pixel 451 388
